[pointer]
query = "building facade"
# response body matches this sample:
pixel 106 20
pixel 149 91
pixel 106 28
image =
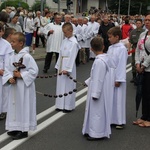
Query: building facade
pixel 77 7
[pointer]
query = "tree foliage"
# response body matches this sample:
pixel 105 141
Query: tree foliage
pixel 37 6
pixel 136 6
pixel 14 3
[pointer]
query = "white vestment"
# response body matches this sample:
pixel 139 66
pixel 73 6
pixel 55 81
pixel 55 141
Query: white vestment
pixel 53 40
pixel 21 114
pixel 97 119
pixel 5 53
pixel 94 31
pixel 66 61
pixel 118 55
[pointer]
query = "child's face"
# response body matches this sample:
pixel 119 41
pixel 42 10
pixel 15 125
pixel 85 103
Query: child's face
pixel 16 45
pixel 67 32
pixel 113 39
pixel 1 33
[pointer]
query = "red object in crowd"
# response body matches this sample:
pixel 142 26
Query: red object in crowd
pixel 131 51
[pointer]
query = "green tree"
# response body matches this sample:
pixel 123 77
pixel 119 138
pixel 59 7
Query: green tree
pixel 37 6
pixel 14 3
pixel 135 6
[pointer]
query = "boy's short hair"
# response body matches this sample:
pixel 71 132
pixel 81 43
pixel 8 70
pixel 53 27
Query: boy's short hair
pixel 97 44
pixel 4 16
pixel 21 36
pixel 1 27
pixel 115 31
pixel 139 20
pixel 68 25
pixel 8 31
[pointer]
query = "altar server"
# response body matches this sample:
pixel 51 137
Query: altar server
pixel 66 65
pixel 5 52
pixel 97 120
pixel 20 74
pixel 118 55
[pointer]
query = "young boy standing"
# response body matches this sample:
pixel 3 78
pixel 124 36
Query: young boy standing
pixel 118 56
pixel 66 65
pixel 97 120
pixel 5 52
pixel 20 75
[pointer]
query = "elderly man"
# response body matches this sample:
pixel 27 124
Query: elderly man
pixel 54 34
pixel 39 25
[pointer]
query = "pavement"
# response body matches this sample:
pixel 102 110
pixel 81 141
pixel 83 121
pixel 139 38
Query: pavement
pixel 39 53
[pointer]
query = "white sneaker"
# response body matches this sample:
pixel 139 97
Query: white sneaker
pixel 119 126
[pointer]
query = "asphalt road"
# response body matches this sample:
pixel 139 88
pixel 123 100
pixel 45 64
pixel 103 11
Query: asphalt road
pixel 60 131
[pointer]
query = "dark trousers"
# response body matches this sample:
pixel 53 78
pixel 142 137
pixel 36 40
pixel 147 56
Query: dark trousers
pixel 39 37
pixel 146 97
pixel 87 52
pixel 78 58
pixel 133 65
pixel 48 59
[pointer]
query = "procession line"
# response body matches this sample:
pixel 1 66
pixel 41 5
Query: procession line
pixel 12 145
pixel 46 123
pixel 46 112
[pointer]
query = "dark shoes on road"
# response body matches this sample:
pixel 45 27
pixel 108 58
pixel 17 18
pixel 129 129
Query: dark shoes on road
pixel 16 135
pixel 63 110
pixel 45 70
pixel 3 116
pixel 89 138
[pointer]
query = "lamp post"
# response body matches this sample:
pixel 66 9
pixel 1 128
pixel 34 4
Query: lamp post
pixel 58 5
pixel 129 7
pixel 140 8
pixel 119 11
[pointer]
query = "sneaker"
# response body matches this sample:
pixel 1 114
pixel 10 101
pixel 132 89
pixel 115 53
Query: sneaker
pixel 119 126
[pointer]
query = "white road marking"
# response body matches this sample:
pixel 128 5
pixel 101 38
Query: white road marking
pixel 4 136
pixel 12 145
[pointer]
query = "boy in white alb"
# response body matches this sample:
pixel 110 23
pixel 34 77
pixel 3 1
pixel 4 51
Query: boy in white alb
pixel 5 52
pixel 66 65
pixel 20 74
pixel 118 55
pixel 97 120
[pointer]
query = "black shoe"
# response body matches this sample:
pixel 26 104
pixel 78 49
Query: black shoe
pixel 57 109
pixel 86 135
pixel 12 133
pixel 20 135
pixel 132 81
pixel 67 111
pixel 45 70
pixel 94 139
pixel 3 116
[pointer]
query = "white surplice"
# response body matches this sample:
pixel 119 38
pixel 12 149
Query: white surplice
pixel 94 31
pixel 66 61
pixel 118 55
pixel 5 53
pixel 21 114
pixel 53 40
pixel 97 119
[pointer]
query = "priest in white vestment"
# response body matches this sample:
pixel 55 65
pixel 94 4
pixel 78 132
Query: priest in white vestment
pixel 54 35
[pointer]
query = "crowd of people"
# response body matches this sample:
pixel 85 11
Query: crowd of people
pixel 105 38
